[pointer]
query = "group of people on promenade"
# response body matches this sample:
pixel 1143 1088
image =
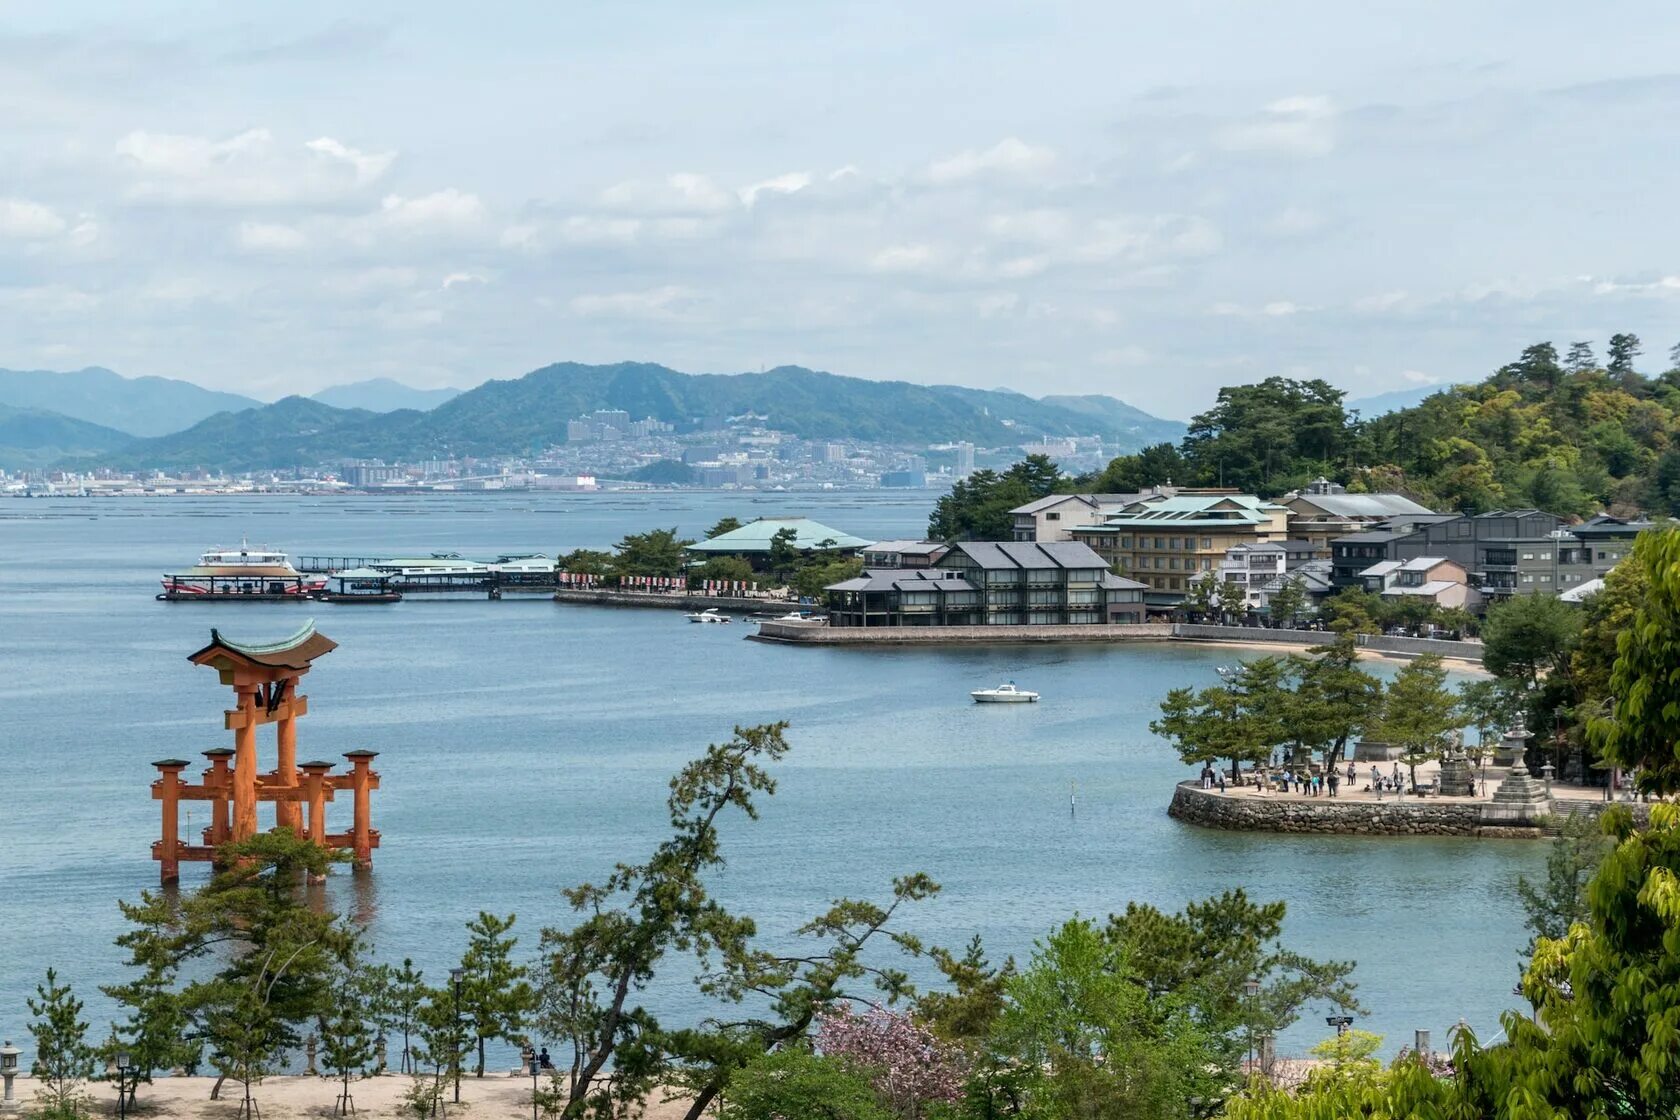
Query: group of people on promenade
pixel 1306 782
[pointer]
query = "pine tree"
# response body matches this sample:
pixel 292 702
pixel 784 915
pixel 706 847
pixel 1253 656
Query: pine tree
pixel 346 1037
pixel 494 993
pixel 1580 358
pixel 1420 713
pixel 63 1059
pixel 407 996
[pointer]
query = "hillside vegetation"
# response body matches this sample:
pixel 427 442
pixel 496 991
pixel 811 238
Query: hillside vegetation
pixel 1569 435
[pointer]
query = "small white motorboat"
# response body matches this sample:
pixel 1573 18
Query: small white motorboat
pixel 710 614
pixel 1003 694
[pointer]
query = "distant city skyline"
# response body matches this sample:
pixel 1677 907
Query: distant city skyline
pixel 1146 203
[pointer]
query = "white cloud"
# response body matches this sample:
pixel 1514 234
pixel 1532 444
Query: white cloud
pixel 1418 377
pixel 1279 308
pixel 1383 301
pixel 1303 126
pixel 670 302
pixel 1664 286
pixel 1011 155
pixel 29 221
pixel 369 166
pixel 902 258
pixel 448 207
pixel 248 168
pixel 781 184
pixel 1294 221
pixel 462 278
pixel 682 193
pixel 1125 357
pixel 270 237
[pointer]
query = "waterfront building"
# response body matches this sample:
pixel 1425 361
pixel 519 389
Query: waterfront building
pixel 903 554
pixel 1312 577
pixel 1324 511
pixel 1456 537
pixel 1252 566
pixel 1558 561
pixel 1054 516
pixel 751 541
pixel 991 583
pixel 1167 542
pixel 1442 581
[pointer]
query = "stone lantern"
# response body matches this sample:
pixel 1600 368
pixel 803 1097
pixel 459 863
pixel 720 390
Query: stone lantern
pixel 1512 746
pixel 8 1070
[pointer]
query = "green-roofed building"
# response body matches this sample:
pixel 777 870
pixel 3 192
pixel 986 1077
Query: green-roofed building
pixel 1166 542
pixel 752 540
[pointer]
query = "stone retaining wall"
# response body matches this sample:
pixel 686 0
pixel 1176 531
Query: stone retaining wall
pixel 1098 632
pixel 1410 816
pixel 671 602
pixel 810 634
pixel 1413 817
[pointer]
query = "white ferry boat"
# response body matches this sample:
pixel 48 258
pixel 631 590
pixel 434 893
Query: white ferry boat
pixel 236 572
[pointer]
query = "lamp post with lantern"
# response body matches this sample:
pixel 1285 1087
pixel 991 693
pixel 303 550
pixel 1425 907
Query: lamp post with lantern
pixel 127 1073
pixel 455 975
pixel 1251 989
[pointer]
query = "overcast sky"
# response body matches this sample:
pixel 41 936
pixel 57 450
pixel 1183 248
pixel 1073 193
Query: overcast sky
pixel 1144 200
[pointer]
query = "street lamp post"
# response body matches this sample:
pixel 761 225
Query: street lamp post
pixel 455 975
pixel 1340 1022
pixel 125 1071
pixel 1251 988
pixel 532 1047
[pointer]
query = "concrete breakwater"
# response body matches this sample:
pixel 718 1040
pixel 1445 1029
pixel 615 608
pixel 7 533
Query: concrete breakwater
pixel 807 634
pixel 1400 816
pixel 734 603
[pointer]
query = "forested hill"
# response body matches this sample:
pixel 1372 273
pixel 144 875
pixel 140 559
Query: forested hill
pixel 1568 434
pixel 530 413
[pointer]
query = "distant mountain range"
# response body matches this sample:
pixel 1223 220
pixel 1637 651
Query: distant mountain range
pixel 1369 408
pixel 34 437
pixel 381 394
pixel 529 413
pixel 139 406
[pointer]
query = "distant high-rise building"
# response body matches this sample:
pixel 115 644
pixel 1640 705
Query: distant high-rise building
pixel 834 452
pixel 965 459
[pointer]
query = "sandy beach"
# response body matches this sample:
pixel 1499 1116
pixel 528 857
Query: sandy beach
pixel 296 1097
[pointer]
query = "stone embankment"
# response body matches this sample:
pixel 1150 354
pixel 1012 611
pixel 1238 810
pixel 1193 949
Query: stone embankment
pixel 806 633
pixel 1362 816
pixel 736 603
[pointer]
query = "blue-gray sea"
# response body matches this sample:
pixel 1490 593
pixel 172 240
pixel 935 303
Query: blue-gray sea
pixel 526 745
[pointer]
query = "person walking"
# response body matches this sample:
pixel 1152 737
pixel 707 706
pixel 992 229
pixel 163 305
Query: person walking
pixel 1333 777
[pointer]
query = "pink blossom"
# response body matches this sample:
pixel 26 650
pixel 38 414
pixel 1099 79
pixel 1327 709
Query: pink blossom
pixel 909 1065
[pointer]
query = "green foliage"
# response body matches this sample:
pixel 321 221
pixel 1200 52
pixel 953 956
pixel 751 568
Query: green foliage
pixel 494 993
pixel 1529 635
pixel 1155 465
pixel 273 959
pixel 1555 904
pixel 1346 1062
pixel 1607 993
pixel 977 507
pixel 1335 700
pixel 1353 610
pixel 795 1084
pixel 1420 713
pixel 1490 706
pixel 1284 606
pixel 586 561
pixel 657 552
pixel 724 525
pixel 347 1037
pixel 1270 437
pixel 810 579
pixel 784 552
pixel 1641 728
pixel 725 567
pixel 1088 1040
pixel 1210 725
pixel 967 1011
pixel 665 472
pixel 63 1059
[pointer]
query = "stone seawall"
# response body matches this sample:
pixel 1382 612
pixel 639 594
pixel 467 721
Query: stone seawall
pixel 1416 817
pixel 809 634
pixel 671 602
pixel 1412 816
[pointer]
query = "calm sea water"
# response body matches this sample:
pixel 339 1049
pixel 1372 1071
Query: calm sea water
pixel 526 746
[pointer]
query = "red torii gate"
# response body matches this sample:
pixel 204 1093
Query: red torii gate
pixel 264 678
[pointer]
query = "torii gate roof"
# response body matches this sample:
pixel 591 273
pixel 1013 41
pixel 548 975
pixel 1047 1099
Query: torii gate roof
pixel 294 652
